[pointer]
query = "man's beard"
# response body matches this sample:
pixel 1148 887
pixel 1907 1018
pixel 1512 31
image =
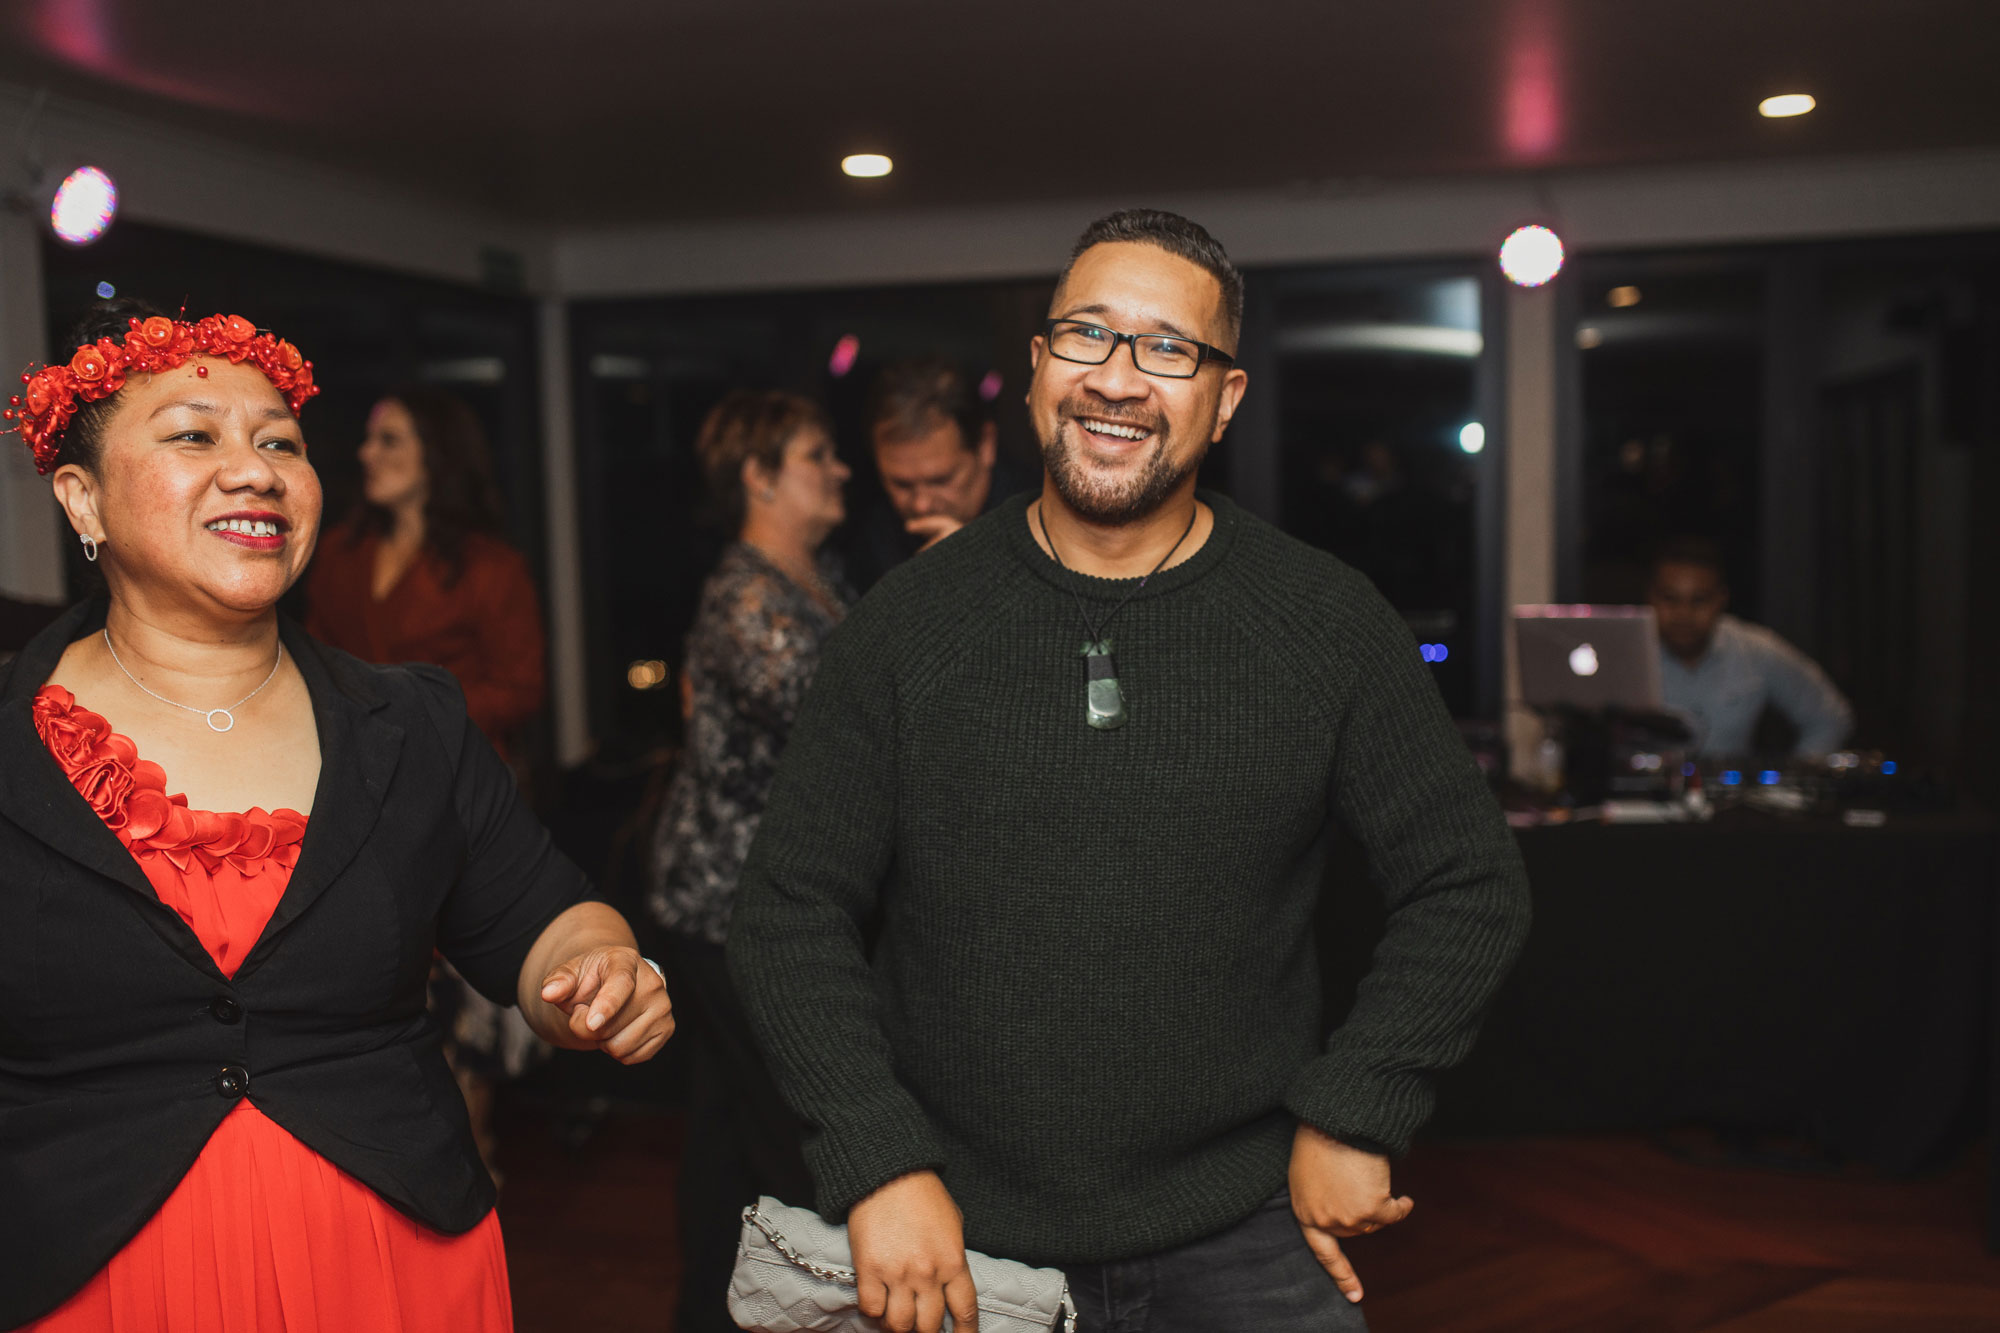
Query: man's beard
pixel 1106 497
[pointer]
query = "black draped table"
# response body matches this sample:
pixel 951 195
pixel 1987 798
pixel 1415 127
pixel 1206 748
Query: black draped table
pixel 1794 977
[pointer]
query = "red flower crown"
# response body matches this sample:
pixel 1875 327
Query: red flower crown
pixel 98 370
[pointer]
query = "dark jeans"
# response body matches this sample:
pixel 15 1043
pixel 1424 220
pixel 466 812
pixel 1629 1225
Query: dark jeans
pixel 1256 1277
pixel 742 1140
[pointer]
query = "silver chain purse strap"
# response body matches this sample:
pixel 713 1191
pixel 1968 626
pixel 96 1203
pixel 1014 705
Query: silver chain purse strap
pixel 844 1276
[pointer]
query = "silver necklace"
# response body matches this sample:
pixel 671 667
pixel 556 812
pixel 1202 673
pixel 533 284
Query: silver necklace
pixel 227 715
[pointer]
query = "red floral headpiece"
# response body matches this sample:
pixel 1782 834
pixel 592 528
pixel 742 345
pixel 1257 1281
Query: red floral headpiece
pixel 98 370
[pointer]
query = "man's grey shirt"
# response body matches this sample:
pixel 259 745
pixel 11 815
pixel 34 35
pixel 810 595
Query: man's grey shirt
pixel 1745 669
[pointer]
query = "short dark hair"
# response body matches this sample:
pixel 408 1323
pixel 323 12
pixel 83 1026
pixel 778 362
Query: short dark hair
pixel 908 397
pixel 1177 236
pixel 749 424
pixel 1690 549
pixel 83 439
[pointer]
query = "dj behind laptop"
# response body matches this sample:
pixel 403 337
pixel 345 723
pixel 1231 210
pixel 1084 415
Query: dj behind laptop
pixel 1616 752
pixel 1593 673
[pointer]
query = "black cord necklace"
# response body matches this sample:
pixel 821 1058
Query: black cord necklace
pixel 1104 702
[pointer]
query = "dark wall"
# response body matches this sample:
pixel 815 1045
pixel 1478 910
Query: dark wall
pixel 647 372
pixel 1830 413
pixel 365 330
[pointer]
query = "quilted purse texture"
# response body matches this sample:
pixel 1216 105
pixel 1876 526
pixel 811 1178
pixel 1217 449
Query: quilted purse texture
pixel 795 1274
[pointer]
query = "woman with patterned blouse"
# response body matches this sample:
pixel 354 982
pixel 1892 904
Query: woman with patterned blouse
pixel 771 468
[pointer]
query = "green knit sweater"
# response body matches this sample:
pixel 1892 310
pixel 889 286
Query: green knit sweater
pixel 1073 970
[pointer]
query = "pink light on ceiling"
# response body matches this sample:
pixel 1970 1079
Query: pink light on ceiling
pixel 95 38
pixel 1533 110
pixel 79 31
pixel 844 353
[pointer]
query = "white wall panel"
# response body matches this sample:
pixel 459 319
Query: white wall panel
pixel 1613 209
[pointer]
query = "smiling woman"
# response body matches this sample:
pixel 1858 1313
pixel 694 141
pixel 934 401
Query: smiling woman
pixel 329 824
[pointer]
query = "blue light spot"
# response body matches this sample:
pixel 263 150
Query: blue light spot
pixel 1769 777
pixel 1731 778
pixel 106 291
pixel 1889 767
pixel 1687 770
pixel 1442 652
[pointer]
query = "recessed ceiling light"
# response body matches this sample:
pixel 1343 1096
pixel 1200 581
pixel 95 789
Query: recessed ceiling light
pixel 1620 297
pixel 867 164
pixel 1786 104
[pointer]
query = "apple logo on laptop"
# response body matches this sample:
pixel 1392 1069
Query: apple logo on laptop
pixel 1583 660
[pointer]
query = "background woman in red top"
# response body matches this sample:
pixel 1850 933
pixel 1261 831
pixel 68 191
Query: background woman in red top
pixel 419 574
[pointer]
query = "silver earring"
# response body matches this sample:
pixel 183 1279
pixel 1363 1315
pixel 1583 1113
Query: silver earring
pixel 767 496
pixel 89 546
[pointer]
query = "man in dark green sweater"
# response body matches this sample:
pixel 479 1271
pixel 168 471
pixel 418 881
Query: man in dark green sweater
pixel 1074 772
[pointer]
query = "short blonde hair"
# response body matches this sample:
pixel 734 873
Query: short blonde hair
pixel 750 424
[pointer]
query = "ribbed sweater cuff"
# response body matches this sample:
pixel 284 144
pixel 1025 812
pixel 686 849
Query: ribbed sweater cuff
pixel 1366 1108
pixel 853 1162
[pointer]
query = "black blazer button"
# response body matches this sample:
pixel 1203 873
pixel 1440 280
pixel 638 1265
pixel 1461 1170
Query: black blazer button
pixel 233 1081
pixel 225 1010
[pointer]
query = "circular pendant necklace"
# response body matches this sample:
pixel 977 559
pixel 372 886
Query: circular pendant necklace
pixel 1103 701
pixel 227 715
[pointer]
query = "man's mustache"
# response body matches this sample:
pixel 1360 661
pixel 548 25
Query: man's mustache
pixel 1100 409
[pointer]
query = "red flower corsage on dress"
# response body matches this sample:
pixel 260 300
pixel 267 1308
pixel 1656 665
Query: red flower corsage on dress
pixel 130 795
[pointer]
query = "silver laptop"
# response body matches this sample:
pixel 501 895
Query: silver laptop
pixel 1588 657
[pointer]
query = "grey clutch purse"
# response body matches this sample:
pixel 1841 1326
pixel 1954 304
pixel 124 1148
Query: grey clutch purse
pixel 795 1274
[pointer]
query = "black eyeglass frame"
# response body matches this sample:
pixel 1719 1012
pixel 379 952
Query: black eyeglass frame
pixel 1203 352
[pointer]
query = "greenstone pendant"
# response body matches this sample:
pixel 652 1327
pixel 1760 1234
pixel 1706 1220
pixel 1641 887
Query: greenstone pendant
pixel 1104 702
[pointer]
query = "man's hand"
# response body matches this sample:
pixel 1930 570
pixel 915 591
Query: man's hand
pixel 909 1256
pixel 1340 1191
pixel 933 528
pixel 613 1001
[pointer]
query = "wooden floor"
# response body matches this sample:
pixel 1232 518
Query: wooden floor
pixel 1608 1235
pixel 1616 1234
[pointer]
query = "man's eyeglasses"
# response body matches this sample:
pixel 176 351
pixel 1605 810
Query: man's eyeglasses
pixel 1159 354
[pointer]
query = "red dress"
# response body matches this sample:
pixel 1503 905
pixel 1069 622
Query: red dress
pixel 262 1233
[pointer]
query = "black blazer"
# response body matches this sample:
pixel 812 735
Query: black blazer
pixel 121 1044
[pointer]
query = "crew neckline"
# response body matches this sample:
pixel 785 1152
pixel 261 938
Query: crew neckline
pixel 1012 515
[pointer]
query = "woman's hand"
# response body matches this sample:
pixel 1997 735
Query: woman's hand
pixel 584 987
pixel 615 1001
